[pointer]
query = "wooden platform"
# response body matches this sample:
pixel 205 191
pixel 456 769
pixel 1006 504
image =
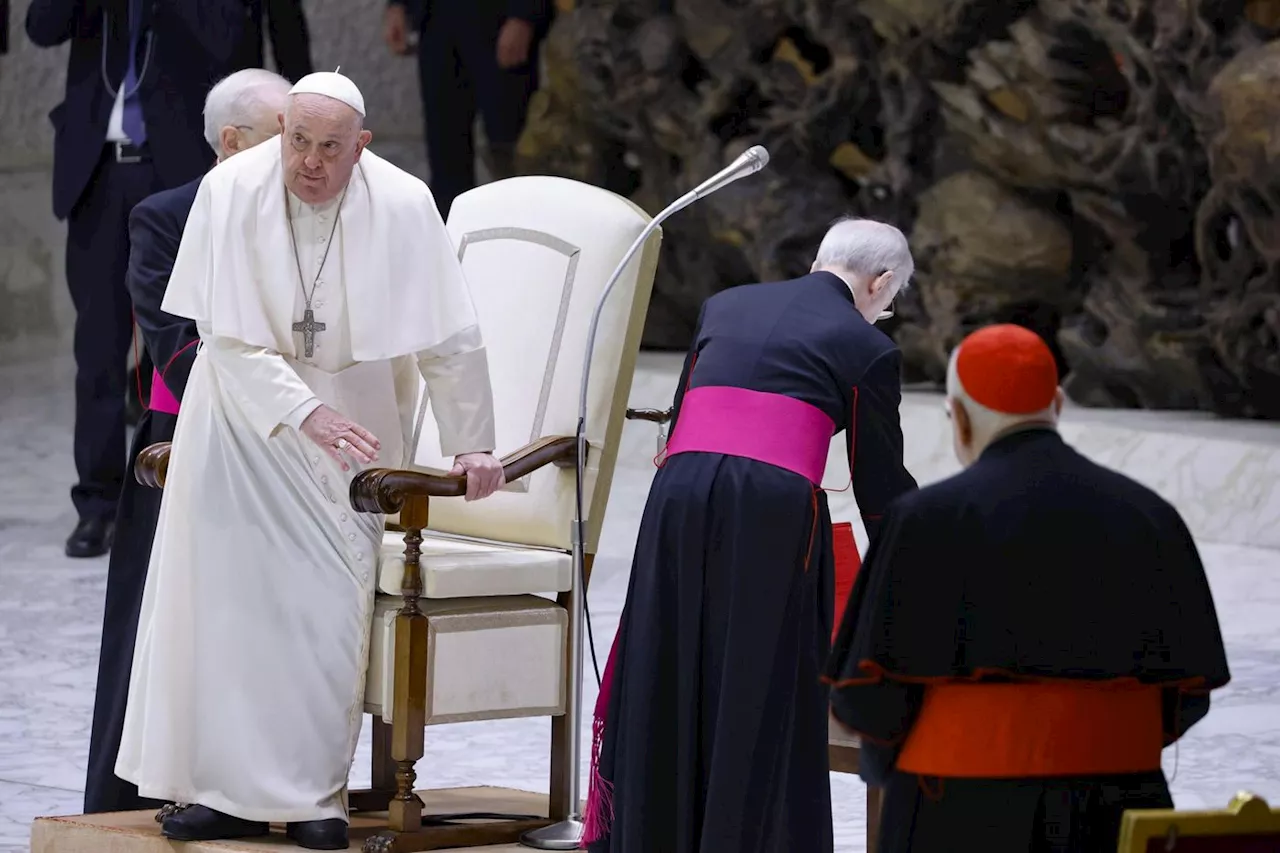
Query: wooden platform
pixel 138 832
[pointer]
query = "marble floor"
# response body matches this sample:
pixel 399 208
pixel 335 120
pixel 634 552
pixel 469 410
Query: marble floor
pixel 50 608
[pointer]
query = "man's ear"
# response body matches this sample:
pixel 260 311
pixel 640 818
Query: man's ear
pixel 365 137
pixel 881 282
pixel 280 118
pixel 1059 399
pixel 964 426
pixel 229 140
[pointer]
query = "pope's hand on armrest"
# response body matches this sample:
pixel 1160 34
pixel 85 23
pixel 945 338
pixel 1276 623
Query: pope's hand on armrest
pixel 483 472
pixel 384 490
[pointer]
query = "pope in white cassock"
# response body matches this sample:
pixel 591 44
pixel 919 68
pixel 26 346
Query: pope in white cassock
pixel 323 284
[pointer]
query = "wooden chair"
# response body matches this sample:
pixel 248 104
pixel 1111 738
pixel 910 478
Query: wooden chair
pixel 1246 825
pixel 462 628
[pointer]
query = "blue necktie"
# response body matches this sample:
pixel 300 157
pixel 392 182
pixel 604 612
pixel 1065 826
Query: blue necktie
pixel 134 126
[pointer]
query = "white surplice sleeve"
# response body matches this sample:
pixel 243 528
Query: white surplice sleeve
pixel 457 375
pixel 261 382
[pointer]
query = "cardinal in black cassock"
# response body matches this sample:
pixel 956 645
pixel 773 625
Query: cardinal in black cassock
pixel 155 232
pixel 1024 638
pixel 712 724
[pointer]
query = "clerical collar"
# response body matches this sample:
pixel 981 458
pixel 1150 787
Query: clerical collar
pixel 297 205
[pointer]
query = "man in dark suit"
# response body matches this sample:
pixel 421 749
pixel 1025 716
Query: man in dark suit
pixel 129 125
pixel 481 54
pixel 712 721
pixel 241 112
pixel 286 26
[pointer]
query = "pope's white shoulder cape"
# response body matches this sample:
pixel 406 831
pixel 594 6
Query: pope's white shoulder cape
pixel 235 273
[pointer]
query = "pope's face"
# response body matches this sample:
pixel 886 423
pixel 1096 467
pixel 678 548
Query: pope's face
pixel 322 141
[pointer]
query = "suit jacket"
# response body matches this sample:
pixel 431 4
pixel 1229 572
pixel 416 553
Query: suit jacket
pixel 290 39
pixel 155 232
pixel 193 44
pixel 537 12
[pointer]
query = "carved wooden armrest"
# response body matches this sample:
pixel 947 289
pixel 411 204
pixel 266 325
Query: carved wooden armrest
pixel 385 490
pixel 657 416
pixel 152 464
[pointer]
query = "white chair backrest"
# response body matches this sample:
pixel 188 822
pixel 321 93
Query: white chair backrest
pixel 537 253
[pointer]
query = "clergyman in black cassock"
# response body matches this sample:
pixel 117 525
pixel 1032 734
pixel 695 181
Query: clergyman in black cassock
pixel 712 729
pixel 155 232
pixel 1026 636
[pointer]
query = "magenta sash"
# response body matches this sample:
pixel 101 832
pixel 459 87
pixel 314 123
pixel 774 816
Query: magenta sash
pixel 162 399
pixel 771 428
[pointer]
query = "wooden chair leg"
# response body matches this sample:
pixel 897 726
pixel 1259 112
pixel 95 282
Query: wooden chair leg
pixel 408 723
pixel 875 796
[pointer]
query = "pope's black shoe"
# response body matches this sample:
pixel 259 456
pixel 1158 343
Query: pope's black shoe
pixel 200 823
pixel 91 538
pixel 328 834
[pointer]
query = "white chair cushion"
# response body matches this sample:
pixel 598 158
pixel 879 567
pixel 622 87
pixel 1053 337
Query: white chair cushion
pixel 537 252
pixel 456 568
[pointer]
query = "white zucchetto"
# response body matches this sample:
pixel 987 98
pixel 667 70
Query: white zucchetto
pixel 331 84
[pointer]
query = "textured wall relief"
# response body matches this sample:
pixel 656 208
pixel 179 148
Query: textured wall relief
pixel 1103 171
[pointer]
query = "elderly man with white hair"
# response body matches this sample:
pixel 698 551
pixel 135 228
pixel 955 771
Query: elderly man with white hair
pixel 323 285
pixel 712 724
pixel 1027 635
pixel 240 112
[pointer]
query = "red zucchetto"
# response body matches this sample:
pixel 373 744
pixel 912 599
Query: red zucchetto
pixel 1008 369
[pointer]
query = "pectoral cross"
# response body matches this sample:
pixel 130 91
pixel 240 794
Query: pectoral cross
pixel 308 326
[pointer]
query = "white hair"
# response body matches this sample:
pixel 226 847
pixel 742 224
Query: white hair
pixel 234 99
pixel 987 423
pixel 868 248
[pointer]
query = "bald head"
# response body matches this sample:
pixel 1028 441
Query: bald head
pixel 240 110
pixel 1014 383
pixel 872 257
pixel 322 140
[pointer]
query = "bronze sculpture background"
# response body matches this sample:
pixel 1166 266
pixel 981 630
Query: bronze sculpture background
pixel 1103 171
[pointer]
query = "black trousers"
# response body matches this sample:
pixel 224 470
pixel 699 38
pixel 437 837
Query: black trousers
pixel 97 259
pixel 459 73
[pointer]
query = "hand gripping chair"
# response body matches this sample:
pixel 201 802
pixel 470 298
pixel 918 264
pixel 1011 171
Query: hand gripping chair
pixel 461 631
pixel 1247 825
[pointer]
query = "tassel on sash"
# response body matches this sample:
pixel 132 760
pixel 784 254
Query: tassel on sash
pixel 597 819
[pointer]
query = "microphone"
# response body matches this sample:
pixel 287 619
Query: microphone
pixel 567 834
pixel 749 162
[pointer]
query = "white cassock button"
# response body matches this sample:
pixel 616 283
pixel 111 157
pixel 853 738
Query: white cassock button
pixel 342 517
pixel 324 479
pixel 319 284
pixel 315 460
pixel 351 536
pixel 319 303
pixel 364 577
pixel 360 556
pixel 323 238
